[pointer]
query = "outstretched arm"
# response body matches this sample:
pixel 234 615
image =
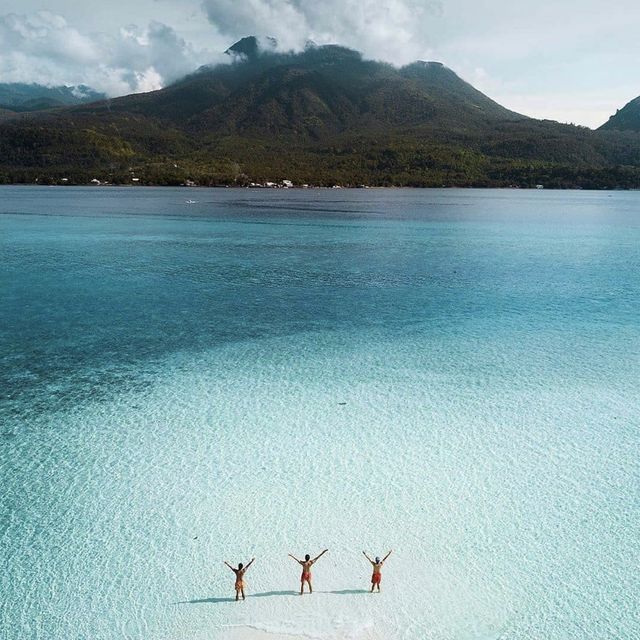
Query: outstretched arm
pixel 250 563
pixel 296 559
pixel 230 567
pixel 368 558
pixel 388 554
pixel 320 556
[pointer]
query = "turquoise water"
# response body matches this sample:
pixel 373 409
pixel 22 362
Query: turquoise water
pixel 451 374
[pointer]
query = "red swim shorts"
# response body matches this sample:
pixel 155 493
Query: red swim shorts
pixel 376 578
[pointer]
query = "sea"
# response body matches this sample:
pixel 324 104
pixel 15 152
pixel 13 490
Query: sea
pixel 193 376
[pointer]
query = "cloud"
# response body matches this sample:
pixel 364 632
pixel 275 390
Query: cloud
pixel 527 52
pixel 44 48
pixel 392 30
pixel 519 52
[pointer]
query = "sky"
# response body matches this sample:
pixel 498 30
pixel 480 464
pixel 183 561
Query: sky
pixel 566 61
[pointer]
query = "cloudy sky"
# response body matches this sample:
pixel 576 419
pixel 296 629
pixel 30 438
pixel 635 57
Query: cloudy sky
pixel 569 61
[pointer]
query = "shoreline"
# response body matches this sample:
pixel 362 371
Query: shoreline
pixel 315 188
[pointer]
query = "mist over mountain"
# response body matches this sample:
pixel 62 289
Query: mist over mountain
pixel 21 97
pixel 322 116
pixel 625 119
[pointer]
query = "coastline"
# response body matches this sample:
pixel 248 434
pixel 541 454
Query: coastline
pixel 317 187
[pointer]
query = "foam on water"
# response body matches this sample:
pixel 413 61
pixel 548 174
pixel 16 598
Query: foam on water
pixel 497 458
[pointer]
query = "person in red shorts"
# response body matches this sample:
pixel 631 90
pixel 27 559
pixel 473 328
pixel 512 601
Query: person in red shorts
pixel 306 570
pixel 376 577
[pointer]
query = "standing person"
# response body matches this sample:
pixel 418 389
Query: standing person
pixel 376 578
pixel 240 571
pixel 306 569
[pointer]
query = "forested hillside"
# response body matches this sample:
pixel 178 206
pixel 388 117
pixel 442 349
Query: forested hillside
pixel 324 116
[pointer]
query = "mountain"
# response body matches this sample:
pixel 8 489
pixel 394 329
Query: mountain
pixel 625 119
pixel 251 48
pixel 322 116
pixel 319 92
pixel 20 97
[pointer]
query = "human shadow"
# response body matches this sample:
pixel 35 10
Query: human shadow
pixel 346 592
pixel 264 594
pixel 206 601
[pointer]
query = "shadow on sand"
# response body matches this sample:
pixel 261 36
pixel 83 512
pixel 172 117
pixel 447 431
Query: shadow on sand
pixel 265 594
pixel 346 592
pixel 206 601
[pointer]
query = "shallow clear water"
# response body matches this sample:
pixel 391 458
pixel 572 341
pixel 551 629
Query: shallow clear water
pixel 451 374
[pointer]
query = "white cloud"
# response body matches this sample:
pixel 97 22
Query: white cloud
pixel 529 53
pixel 392 30
pixel 578 62
pixel 44 48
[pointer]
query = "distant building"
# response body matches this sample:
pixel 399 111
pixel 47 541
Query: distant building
pixel 95 181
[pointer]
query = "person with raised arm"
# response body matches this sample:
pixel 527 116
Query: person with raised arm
pixel 306 569
pixel 240 571
pixel 376 578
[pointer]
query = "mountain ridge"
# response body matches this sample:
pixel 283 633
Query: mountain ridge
pixel 23 97
pixel 306 85
pixel 625 119
pixel 321 116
